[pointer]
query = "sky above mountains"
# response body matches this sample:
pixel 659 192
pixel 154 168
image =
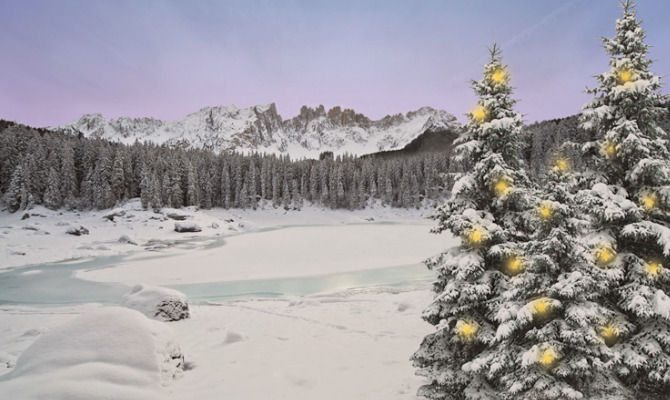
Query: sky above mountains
pixel 165 59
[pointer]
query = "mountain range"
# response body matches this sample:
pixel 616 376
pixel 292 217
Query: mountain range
pixel 260 128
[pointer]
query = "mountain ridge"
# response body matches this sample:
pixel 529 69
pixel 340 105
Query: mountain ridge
pixel 260 128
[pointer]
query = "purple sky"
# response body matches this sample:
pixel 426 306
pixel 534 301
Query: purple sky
pixel 165 59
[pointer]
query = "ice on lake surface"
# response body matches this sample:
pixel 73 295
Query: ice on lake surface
pixel 58 283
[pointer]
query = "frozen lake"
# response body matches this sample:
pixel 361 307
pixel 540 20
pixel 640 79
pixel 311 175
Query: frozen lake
pixel 291 261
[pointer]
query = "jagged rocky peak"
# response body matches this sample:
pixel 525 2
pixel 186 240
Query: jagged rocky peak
pixel 261 128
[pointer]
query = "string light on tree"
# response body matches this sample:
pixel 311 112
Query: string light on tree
pixel 479 114
pixel 545 211
pixel 609 333
pixel 649 201
pixel 547 357
pixel 653 268
pixel 542 308
pixel 467 330
pixel 562 164
pixel 499 76
pixel 476 236
pixel 609 149
pixel 625 75
pixel 502 186
pixel 605 254
pixel 514 265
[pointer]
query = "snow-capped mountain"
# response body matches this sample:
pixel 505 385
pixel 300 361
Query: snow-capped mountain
pixel 260 128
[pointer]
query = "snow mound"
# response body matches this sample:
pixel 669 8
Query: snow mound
pixel 110 353
pixel 158 303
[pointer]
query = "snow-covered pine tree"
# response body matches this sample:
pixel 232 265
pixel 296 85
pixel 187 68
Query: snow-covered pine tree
pixel 487 209
pixel 52 196
pixel 555 322
pixel 629 200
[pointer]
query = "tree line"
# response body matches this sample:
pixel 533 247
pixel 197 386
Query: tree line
pixel 57 170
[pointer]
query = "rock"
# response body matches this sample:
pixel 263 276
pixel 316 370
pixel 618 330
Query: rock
pixel 31 228
pixel 126 239
pixel 25 216
pixel 177 217
pixel 230 221
pixel 215 225
pixel 186 227
pixel 115 214
pixel 77 231
pixel 158 303
pixel 17 253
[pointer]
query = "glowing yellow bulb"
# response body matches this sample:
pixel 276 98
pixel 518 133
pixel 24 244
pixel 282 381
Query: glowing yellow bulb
pixel 654 268
pixel 541 307
pixel 514 265
pixel 467 331
pixel 625 75
pixel 476 236
pixel 545 211
pixel 609 333
pixel 479 114
pixel 548 357
pixel 501 187
pixel 649 201
pixel 499 76
pixel 609 149
pixel 561 164
pixel 605 254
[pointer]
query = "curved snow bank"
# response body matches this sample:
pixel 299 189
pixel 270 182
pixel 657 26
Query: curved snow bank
pixel 111 353
pixel 158 303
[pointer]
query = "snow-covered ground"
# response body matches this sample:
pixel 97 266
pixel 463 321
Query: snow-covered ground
pixel 340 346
pixel 352 344
pixel 42 236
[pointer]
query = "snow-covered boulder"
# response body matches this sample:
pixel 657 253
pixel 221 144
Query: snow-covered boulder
pixel 77 231
pixel 177 217
pixel 157 302
pixel 110 353
pixel 187 227
pixel 127 240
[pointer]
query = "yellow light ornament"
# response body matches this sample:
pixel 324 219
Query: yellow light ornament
pixel 625 75
pixel 653 269
pixel 542 307
pixel 562 165
pixel 514 265
pixel 548 357
pixel 479 114
pixel 545 211
pixel 605 254
pixel 467 330
pixel 609 333
pixel 501 187
pixel 499 76
pixel 649 201
pixel 476 236
pixel 609 149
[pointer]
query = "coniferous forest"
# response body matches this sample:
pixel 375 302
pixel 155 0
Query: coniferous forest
pixel 61 170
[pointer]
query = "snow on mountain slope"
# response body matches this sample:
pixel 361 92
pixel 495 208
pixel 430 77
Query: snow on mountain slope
pixel 260 128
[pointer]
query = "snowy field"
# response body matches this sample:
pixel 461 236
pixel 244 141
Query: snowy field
pixel 346 343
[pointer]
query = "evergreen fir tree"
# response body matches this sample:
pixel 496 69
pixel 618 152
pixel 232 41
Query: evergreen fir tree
pixel 52 196
pixel 629 201
pixel 464 358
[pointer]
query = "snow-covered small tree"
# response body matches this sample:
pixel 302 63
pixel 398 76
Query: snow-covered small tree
pixel 488 210
pixel 629 200
pixel 52 196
